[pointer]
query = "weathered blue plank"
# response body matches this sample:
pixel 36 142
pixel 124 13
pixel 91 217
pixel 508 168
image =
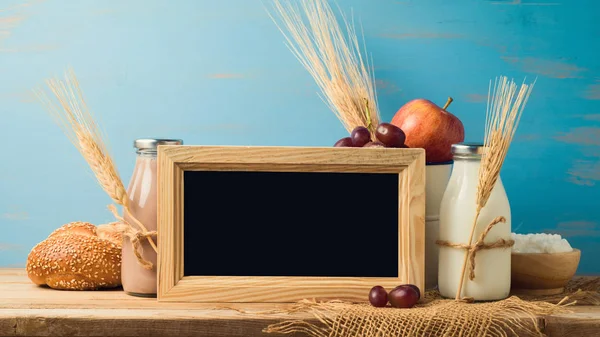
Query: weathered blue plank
pixel 218 72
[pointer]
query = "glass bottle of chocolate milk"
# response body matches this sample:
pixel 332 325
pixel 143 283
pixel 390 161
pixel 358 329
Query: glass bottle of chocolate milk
pixel 136 280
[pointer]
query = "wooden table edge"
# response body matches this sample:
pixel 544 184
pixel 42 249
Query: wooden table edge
pixel 28 310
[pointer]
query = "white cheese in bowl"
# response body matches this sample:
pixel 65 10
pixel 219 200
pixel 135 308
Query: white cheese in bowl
pixel 540 243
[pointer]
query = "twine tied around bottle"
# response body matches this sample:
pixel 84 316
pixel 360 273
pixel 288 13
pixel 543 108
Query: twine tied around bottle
pixel 134 235
pixel 472 249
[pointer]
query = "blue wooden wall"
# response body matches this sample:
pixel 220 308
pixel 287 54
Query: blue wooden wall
pixel 218 72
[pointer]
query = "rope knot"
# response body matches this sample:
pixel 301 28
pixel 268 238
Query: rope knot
pixel 135 236
pixel 139 235
pixel 480 244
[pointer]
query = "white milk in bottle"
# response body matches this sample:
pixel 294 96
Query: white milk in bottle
pixel 457 214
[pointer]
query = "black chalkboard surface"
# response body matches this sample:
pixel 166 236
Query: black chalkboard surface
pixel 326 224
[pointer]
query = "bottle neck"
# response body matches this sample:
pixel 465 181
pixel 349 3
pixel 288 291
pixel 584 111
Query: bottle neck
pixel 466 168
pixel 146 153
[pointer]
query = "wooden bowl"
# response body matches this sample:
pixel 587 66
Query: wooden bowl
pixel 543 273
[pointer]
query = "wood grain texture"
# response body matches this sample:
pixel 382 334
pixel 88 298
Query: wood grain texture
pixel 145 324
pixel 541 273
pixel 170 212
pixel 409 164
pixel 275 289
pixel 29 310
pixel 412 223
pixel 584 321
pixel 189 157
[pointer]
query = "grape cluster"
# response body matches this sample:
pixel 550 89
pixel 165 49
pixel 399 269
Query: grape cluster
pixel 403 296
pixel 386 134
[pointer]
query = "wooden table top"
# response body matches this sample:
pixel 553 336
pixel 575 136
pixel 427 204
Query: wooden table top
pixel 28 310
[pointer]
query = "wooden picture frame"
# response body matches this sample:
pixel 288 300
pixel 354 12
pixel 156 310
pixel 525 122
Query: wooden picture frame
pixel 173 161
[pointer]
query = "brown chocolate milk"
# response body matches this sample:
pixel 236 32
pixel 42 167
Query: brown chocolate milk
pixel 137 280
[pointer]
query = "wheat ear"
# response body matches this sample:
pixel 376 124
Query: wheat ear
pixel 333 58
pixel 504 109
pixel 78 124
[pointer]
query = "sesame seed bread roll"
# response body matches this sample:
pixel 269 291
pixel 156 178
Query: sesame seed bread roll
pixel 77 256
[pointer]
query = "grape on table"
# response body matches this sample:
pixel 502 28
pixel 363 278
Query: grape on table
pixel 386 134
pixel 378 297
pixel 390 135
pixel 403 297
pixel 344 142
pixel 360 136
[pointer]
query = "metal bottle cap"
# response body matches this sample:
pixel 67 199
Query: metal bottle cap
pixel 151 143
pixel 467 150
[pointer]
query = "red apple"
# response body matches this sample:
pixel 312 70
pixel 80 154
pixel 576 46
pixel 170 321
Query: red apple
pixel 428 126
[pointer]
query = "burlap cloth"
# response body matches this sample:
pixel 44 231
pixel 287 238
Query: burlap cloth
pixel 434 317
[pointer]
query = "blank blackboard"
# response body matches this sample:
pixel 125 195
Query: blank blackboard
pixel 239 223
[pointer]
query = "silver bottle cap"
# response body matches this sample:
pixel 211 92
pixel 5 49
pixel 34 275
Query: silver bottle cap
pixel 467 150
pixel 152 144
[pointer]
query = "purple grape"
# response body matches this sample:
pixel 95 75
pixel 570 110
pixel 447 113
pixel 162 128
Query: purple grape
pixel 403 297
pixel 390 135
pixel 374 144
pixel 344 142
pixel 378 297
pixel 411 286
pixel 360 136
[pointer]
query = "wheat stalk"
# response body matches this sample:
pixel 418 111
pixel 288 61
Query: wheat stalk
pixel 78 124
pixel 332 58
pixel 503 114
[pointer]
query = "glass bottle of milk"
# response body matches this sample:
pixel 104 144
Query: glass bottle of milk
pixel 457 214
pixel 142 194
